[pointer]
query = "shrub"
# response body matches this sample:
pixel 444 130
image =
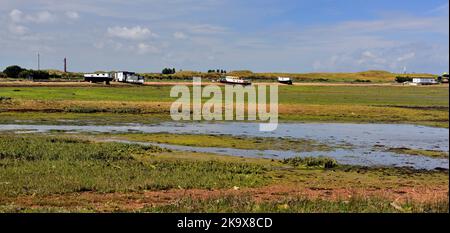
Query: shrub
pixel 39 74
pixel 13 71
pixel 4 98
pixel 25 74
pixel 362 81
pixel 34 74
pixel 311 162
pixel 402 79
pixel 78 109
pixel 3 75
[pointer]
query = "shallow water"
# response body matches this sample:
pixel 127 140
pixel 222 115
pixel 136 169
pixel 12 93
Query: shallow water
pixel 342 156
pixel 368 140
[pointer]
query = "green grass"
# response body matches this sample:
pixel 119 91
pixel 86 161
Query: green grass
pixel 225 141
pixel 428 153
pixel 42 165
pixel 44 173
pixel 322 95
pixel 321 162
pixel 64 118
pixel 135 93
pixel 367 104
pixel 376 95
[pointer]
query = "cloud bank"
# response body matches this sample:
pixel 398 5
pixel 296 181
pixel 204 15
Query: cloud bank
pixel 265 35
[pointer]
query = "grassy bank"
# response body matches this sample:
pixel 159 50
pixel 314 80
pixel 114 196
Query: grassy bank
pixel 225 141
pixel 378 104
pixel 372 76
pixel 52 174
pixel 402 96
pixel 428 153
pixel 37 165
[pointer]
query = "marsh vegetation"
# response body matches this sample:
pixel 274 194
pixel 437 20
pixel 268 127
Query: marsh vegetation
pixel 68 173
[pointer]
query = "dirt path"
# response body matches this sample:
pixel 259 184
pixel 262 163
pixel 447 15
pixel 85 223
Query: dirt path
pixel 135 201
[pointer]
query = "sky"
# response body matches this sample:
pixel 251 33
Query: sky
pixel 259 35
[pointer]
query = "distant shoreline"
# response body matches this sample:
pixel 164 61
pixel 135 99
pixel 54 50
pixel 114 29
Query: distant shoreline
pixel 171 83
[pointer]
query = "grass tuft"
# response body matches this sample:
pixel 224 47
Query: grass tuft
pixel 322 162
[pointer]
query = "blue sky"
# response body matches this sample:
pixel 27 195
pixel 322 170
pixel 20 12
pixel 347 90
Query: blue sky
pixel 259 35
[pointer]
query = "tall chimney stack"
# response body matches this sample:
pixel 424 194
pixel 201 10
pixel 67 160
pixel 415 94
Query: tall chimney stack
pixel 65 65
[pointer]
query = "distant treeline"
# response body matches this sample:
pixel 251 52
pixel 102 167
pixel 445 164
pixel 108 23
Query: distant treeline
pixel 373 76
pixel 17 72
pixel 402 79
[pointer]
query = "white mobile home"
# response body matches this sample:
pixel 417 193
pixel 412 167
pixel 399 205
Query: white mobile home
pixel 235 81
pixel 121 76
pixel 285 80
pixel 128 77
pixel 98 77
pixel 424 81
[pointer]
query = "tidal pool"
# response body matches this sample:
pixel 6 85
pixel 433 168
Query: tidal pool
pixel 367 140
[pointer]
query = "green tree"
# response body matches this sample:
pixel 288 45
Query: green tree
pixel 40 74
pixel 34 74
pixel 168 71
pixel 13 71
pixel 402 79
pixel 25 74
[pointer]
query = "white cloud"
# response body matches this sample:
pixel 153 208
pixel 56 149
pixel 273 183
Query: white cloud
pixel 17 29
pixel 41 17
pixel 368 54
pixel 368 59
pixel 17 16
pixel 416 56
pixel 207 29
pixel 127 47
pixel 179 35
pixel 406 56
pixel 134 33
pixel 72 15
pixel 418 40
pixel 143 48
pixel 405 23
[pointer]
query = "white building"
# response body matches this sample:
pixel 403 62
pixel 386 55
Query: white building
pixel 424 81
pixel 129 77
pixel 99 75
pixel 121 76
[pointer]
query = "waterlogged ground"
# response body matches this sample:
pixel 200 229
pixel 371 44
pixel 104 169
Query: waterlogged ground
pixel 43 173
pixel 66 149
pixel 395 145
